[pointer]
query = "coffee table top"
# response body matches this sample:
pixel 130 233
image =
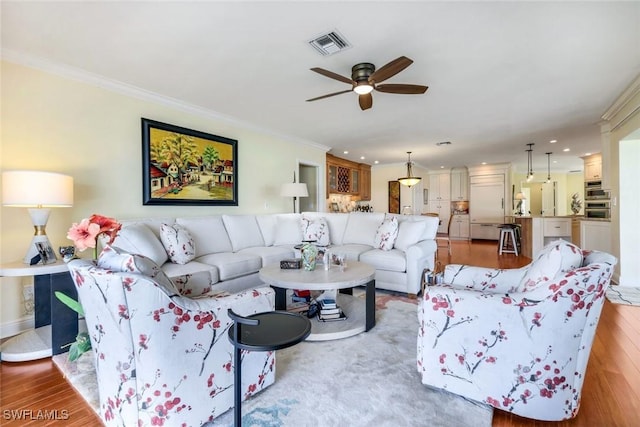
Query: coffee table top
pixel 356 274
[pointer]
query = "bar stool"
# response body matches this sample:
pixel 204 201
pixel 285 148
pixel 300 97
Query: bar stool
pixel 509 239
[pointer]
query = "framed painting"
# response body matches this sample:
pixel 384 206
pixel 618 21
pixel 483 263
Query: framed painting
pixel 187 167
pixel 394 197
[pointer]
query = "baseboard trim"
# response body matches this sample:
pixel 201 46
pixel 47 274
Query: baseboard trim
pixel 9 329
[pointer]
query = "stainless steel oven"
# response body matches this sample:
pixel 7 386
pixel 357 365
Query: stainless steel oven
pixel 596 194
pixel 600 209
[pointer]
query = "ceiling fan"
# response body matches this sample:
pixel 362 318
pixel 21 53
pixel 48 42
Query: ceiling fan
pixel 365 78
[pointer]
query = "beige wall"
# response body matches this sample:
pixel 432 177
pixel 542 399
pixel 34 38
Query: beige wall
pixel 380 177
pixel 57 124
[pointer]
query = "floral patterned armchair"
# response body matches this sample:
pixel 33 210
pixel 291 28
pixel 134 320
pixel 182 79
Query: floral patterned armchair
pixel 161 358
pixel 516 339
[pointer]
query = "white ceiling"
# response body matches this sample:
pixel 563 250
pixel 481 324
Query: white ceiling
pixel 500 74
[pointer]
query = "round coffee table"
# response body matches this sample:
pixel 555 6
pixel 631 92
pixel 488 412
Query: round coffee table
pixel 360 313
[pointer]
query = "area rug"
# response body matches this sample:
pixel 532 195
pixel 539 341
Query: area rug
pixel 628 295
pixel 368 379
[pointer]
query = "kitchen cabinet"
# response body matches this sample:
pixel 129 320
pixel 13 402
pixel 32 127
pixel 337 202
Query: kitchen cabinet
pixel 595 235
pixel 439 186
pixel 593 167
pixel 365 182
pixel 536 232
pixel 486 205
pixel 459 227
pixel 459 185
pixel 575 232
pixel 347 177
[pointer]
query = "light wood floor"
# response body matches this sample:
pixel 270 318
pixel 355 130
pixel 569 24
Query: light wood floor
pixel 610 396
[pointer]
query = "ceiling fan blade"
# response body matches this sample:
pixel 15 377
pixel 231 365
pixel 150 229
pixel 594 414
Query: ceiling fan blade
pixel 331 94
pixel 390 69
pixel 333 75
pixel 402 89
pixel 366 101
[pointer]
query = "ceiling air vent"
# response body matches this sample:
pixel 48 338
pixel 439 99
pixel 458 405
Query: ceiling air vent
pixel 330 43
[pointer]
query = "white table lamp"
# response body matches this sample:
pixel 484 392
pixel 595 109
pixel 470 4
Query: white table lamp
pixel 295 190
pixel 37 191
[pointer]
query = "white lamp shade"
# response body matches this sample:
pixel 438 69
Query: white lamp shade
pixel 520 196
pixel 36 189
pixel 294 189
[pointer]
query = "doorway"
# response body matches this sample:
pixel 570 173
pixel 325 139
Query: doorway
pixel 310 175
pixel 541 198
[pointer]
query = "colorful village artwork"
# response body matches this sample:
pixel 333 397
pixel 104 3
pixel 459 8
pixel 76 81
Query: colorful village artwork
pixel 188 167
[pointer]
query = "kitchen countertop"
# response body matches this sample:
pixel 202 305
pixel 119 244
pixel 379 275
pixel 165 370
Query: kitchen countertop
pixel 578 217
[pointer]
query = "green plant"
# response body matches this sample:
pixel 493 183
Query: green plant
pixel 82 343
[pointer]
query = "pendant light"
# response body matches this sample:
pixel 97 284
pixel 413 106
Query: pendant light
pixel 549 167
pixel 409 180
pixel 530 162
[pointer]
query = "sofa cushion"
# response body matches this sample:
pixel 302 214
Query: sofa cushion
pixel 315 229
pixel 386 234
pixel 351 251
pixel 137 238
pixel 178 243
pixel 270 254
pixel 390 260
pixel 119 260
pixel 267 224
pixel 233 264
pixel 409 233
pixel 209 234
pixel 288 231
pixel 362 228
pixel 243 231
pixel 555 259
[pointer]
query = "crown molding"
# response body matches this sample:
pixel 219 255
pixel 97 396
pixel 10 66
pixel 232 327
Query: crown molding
pixel 119 87
pixel 621 102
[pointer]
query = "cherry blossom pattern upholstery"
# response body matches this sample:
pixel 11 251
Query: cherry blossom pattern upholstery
pixel 162 358
pixel 499 340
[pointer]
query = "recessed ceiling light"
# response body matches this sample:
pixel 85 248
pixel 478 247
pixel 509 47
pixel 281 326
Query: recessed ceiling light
pixel 441 167
pixel 361 157
pixel 553 141
pixel 376 162
pixel 345 152
pixel 484 163
pixel 566 149
pixel 587 154
pixel 555 161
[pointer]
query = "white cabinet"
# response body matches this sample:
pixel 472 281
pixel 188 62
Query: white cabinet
pixel 486 202
pixel 459 227
pixel 595 235
pixel 459 185
pixel 593 168
pixel 439 186
pixel 557 227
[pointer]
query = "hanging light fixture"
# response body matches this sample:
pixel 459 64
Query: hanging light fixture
pixel 409 180
pixel 530 162
pixel 549 167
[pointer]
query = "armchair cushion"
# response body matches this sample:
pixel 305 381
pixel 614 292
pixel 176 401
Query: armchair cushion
pixel 138 238
pixel 178 243
pixel 554 259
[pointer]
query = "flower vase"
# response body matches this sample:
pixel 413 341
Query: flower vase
pixel 309 256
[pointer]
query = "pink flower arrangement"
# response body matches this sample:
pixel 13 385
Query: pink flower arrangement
pixel 86 233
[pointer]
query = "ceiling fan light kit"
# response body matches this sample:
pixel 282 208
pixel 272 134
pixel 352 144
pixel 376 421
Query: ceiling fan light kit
pixel 365 79
pixel 409 180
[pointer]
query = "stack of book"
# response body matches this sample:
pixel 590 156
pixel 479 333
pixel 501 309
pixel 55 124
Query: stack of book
pixel 329 311
pixel 300 301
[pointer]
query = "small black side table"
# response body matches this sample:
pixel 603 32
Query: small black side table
pixel 273 330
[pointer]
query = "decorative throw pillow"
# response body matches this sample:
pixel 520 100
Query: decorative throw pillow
pixel 387 234
pixel 409 233
pixel 178 243
pixel 315 229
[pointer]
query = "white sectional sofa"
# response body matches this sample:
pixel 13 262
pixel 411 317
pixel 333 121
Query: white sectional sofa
pixel 226 251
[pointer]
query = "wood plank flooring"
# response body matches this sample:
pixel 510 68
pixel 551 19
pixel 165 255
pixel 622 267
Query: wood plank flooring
pixel 610 396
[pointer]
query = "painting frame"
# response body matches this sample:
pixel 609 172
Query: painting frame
pixel 206 176
pixel 394 197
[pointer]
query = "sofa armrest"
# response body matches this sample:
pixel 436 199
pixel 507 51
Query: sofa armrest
pixel 483 278
pixel 419 256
